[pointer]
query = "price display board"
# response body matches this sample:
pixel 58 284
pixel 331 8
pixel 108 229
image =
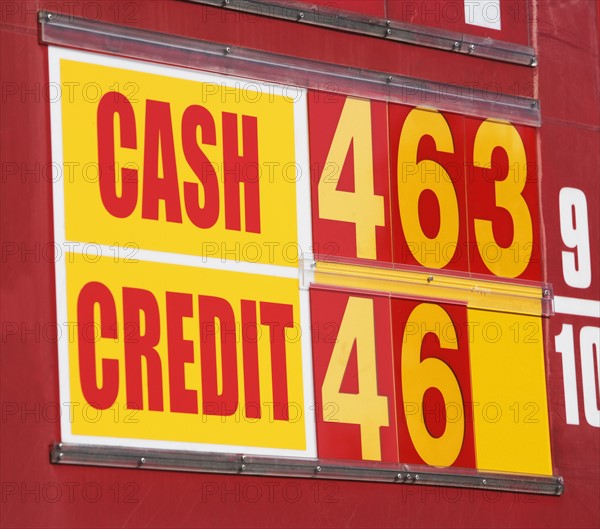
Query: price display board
pixel 254 268
pixel 426 374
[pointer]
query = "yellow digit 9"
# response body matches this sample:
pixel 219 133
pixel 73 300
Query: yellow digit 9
pixel 414 178
pixel 366 408
pixel 362 207
pixel 492 134
pixel 420 375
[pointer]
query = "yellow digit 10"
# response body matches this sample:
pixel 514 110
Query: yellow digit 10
pixel 366 408
pixel 419 375
pixel 362 207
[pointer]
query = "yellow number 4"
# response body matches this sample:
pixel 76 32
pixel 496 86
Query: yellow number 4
pixel 362 207
pixel 365 408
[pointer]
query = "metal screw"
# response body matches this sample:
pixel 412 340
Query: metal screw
pixel 318 469
pixel 388 31
pixel 534 104
pixel 546 293
pixel 243 458
pixel 533 61
pixel 225 2
pixel 389 79
pixel 142 460
pixel 243 467
pixel 60 445
pixel 456 45
pixel 388 22
pixel 471 48
pixel 408 477
pixel 484 481
pixel 61 455
pixel 561 479
pixel 430 279
pixel 49 16
pixel 399 477
pixel 300 15
pixel 227 50
pixel 417 477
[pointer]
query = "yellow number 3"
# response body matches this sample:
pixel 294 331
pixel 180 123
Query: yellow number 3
pixel 492 134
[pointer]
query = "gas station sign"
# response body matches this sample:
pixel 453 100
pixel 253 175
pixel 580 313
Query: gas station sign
pixel 313 275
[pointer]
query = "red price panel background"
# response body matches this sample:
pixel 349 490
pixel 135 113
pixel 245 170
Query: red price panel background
pixel 461 194
pixel 433 380
pixel 449 387
pixel 350 177
pixel 503 203
pixel 428 187
pixel 353 367
pixel 464 194
pixel 469 380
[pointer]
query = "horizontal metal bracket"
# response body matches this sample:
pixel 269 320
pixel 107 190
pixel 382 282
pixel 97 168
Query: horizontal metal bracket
pixel 153 459
pixel 187 52
pixel 477 291
pixel 331 17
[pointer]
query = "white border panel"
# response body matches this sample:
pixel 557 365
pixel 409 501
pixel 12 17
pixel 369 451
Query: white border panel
pixel 55 54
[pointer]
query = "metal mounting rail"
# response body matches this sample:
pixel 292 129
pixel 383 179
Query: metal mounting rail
pixel 252 465
pixel 333 18
pixel 124 41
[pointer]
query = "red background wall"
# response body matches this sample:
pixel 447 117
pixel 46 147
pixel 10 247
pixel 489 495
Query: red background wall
pixel 35 493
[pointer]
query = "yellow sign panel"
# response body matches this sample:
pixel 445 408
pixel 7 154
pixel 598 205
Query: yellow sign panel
pixel 178 164
pixel 509 393
pixel 201 356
